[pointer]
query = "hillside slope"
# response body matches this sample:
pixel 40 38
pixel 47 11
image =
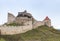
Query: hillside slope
pixel 42 33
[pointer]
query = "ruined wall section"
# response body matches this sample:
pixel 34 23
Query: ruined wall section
pixel 37 23
pixel 21 20
pixel 11 18
pixel 10 30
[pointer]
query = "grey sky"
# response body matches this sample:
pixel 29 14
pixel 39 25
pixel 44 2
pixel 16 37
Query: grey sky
pixel 38 8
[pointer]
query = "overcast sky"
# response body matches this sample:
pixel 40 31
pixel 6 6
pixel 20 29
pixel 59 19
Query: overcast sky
pixel 38 8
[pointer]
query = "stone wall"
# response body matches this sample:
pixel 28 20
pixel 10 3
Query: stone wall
pixel 47 22
pixel 37 23
pixel 21 20
pixel 10 30
pixel 11 18
pixel 40 23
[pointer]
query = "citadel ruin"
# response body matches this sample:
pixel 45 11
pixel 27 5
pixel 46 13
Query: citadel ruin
pixel 23 22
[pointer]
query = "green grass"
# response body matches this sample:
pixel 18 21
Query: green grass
pixel 42 33
pixel 14 24
pixel 2 39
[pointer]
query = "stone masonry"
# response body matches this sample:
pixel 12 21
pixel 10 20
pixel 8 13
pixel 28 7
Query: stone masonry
pixel 23 17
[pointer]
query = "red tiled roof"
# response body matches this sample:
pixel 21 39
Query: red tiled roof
pixel 47 18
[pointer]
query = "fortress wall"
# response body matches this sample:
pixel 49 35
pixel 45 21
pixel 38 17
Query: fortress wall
pixel 22 19
pixel 11 18
pixel 38 23
pixel 10 30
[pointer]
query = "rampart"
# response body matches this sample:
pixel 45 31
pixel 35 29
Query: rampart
pixel 10 30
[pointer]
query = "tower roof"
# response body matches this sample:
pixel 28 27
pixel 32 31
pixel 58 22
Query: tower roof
pixel 24 14
pixel 47 18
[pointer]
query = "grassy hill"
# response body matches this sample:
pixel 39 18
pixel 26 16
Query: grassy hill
pixel 42 33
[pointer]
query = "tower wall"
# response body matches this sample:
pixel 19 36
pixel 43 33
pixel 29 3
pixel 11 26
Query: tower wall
pixel 11 18
pixel 47 22
pixel 20 20
pixel 11 30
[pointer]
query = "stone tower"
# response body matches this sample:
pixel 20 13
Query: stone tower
pixel 11 18
pixel 23 17
pixel 47 21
